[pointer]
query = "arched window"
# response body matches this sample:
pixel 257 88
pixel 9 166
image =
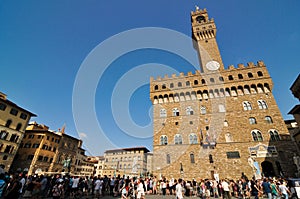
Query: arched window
pixel 274 136
pixel 178 139
pixel 156 87
pixel 250 75
pixel 8 123
pixel 221 79
pixel 268 119
pixel 171 85
pixel 240 76
pixel 192 158
pixel 262 104
pixel 163 113
pixel 163 86
pixel 203 110
pixel 247 105
pixel 230 77
pixel 187 83
pixel 189 110
pixel 193 138
pixel 163 140
pixel 179 84
pixel 203 81
pixel 212 80
pixel 260 74
pixel 175 112
pixel 19 126
pixel 256 135
pixel 195 82
pixel 228 137
pixel 168 159
pixel 252 120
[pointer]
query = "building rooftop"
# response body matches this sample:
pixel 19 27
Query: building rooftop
pixel 128 149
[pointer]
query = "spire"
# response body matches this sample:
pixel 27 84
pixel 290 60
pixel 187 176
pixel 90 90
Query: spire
pixel 63 128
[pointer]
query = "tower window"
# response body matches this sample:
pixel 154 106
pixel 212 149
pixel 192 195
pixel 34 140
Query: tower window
pixel 179 84
pixel 171 85
pixel 200 19
pixel 230 77
pixel 187 83
pixel 260 74
pixel 240 76
pixel 212 80
pixel 203 81
pixel 156 87
pixel 221 79
pixel 250 75
pixel 164 86
pixel 195 82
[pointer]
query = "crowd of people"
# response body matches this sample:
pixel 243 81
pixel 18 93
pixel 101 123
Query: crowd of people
pixel 20 185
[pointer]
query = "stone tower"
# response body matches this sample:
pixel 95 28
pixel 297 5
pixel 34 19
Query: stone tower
pixel 218 122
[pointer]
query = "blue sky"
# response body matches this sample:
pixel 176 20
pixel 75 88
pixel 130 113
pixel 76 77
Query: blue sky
pixel 43 44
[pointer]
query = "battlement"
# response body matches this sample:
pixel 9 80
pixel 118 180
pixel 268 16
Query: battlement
pixel 197 72
pixel 198 11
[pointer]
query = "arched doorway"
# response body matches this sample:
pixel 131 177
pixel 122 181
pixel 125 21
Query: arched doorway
pixel 267 169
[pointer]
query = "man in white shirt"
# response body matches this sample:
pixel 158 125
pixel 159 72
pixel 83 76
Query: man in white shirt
pixel 179 189
pixel 226 190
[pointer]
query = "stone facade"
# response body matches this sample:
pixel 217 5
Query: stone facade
pixel 218 121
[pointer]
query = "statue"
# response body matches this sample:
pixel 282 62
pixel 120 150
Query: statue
pixel 67 163
pixel 251 163
pixel 296 160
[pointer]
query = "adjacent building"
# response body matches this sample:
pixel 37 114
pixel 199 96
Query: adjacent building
pixel 125 161
pixel 46 151
pixel 13 121
pixel 218 122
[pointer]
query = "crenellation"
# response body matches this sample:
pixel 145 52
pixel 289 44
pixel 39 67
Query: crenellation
pixel 189 74
pixel 174 75
pixel 158 78
pixel 181 74
pixel 231 67
pixel 241 65
pixel 250 64
pixel 166 77
pixel 261 63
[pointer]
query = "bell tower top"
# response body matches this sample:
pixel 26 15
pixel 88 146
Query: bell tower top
pixel 204 36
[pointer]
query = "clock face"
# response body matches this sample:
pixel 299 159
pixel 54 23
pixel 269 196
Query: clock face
pixel 212 65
